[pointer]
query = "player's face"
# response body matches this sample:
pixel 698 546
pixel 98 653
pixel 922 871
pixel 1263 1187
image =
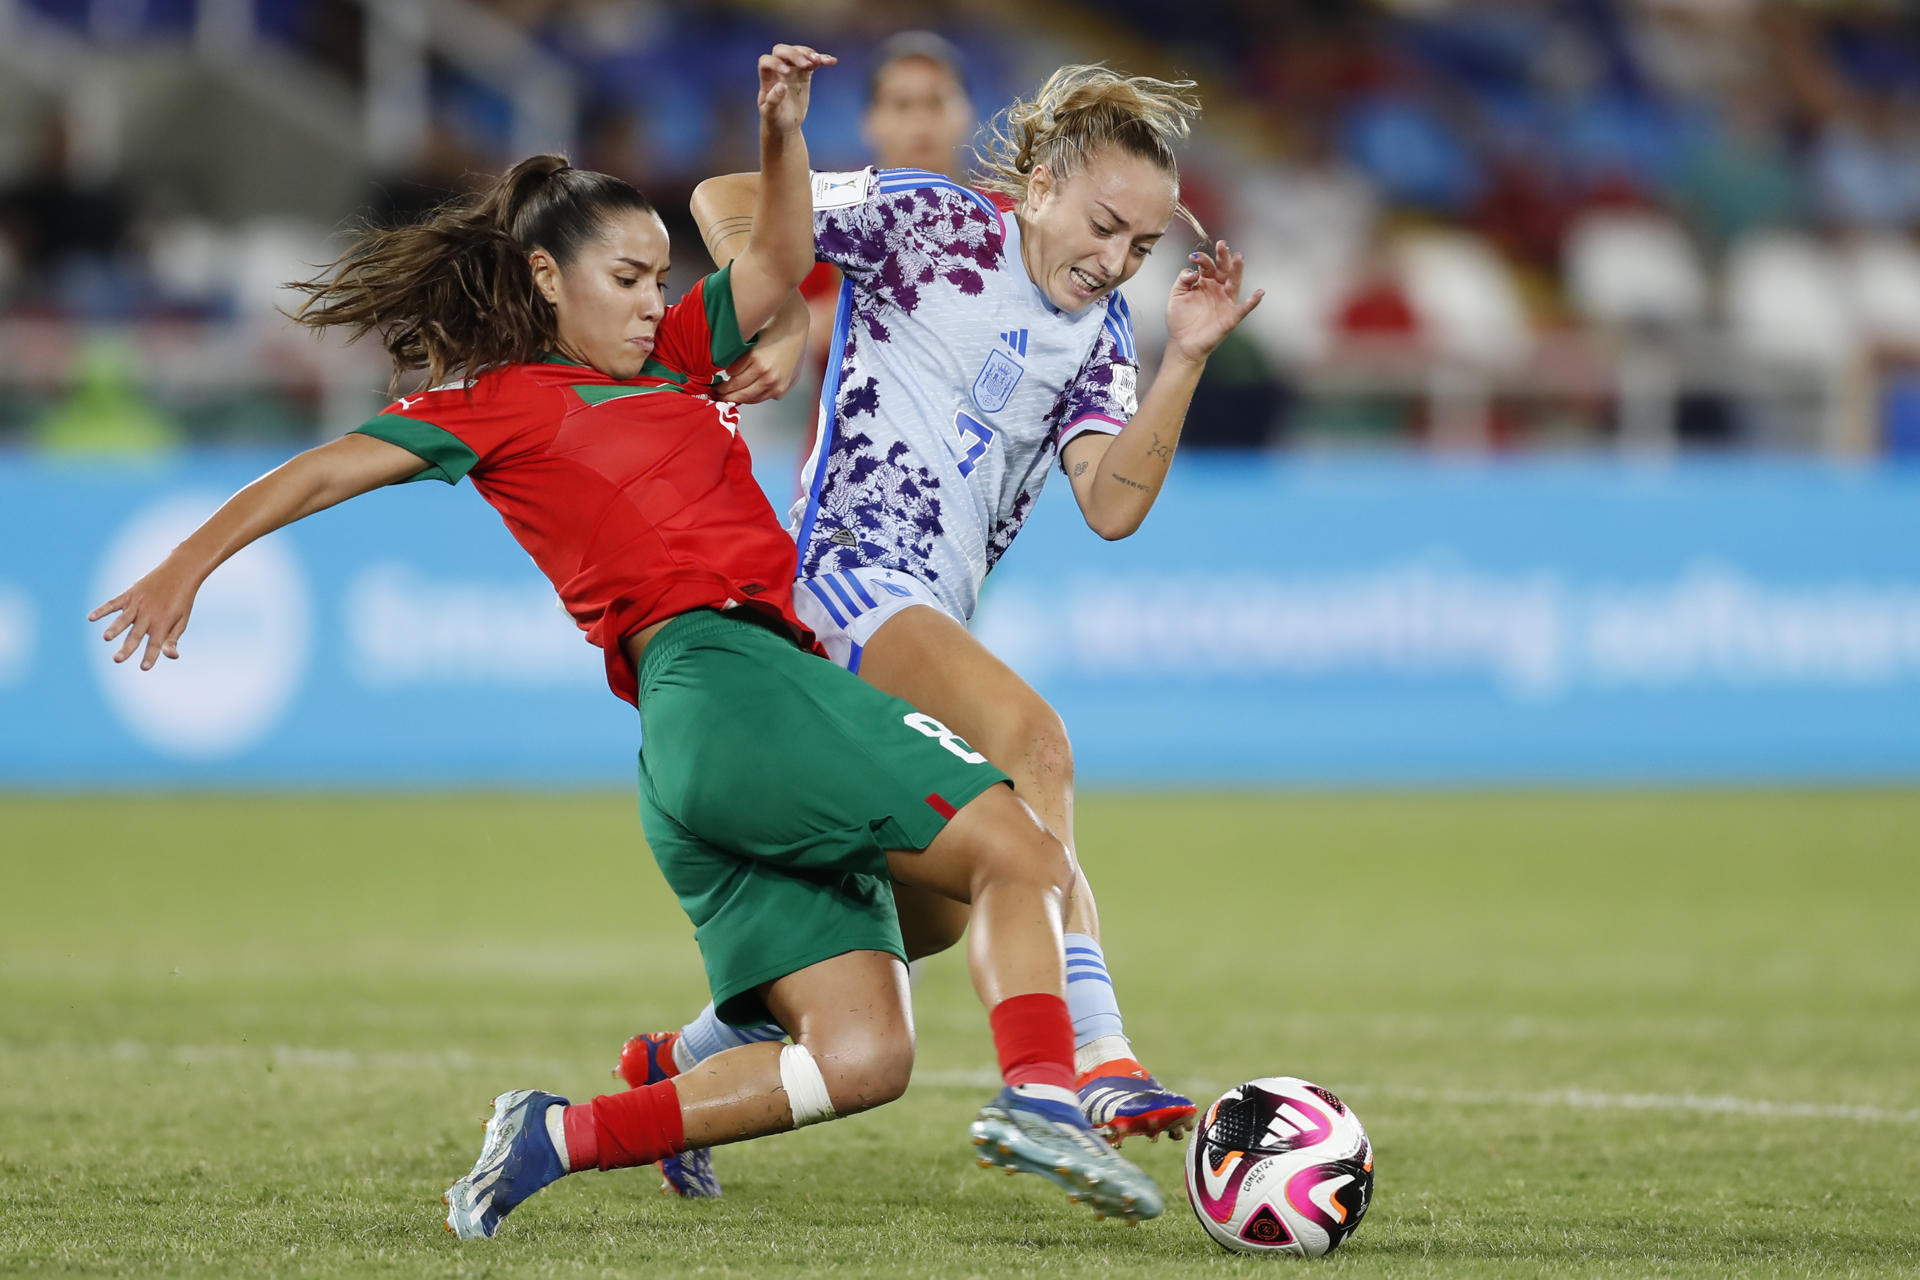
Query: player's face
pixel 1085 237
pixel 918 118
pixel 608 301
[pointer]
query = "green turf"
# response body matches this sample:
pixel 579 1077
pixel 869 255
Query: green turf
pixel 255 1036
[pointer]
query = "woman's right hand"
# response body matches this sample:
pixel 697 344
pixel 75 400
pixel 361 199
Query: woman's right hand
pixel 154 609
pixel 786 81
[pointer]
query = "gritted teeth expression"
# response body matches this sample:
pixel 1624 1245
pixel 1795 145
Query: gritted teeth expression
pixel 608 301
pixel 1087 235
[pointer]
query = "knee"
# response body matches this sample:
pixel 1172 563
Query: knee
pixel 1028 851
pixel 1034 732
pixel 865 1071
pixel 1026 737
pixel 1061 867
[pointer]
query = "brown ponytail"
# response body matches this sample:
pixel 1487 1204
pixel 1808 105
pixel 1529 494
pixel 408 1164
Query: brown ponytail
pixel 1079 110
pixel 454 292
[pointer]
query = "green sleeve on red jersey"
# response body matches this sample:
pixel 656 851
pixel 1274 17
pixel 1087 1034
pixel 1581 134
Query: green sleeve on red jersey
pixel 700 334
pixel 722 324
pixel 446 455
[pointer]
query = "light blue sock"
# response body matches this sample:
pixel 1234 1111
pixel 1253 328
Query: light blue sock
pixel 706 1035
pixel 1090 1000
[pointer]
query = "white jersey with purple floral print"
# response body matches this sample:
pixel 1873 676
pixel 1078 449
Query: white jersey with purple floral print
pixel 952 383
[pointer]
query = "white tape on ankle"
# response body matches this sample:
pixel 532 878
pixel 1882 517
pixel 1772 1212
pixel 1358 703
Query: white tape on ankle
pixel 806 1087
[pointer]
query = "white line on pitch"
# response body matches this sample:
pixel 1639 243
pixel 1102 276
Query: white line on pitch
pixel 320 1058
pixel 1591 1099
pixel 1584 1099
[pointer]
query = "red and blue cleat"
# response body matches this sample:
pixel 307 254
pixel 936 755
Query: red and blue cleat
pixel 648 1059
pixel 1122 1100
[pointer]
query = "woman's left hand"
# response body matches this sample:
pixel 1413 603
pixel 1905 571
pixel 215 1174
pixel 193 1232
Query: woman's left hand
pixel 1205 305
pixel 786 79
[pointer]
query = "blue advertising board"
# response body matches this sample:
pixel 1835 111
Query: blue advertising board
pixel 1410 622
pixel 1277 621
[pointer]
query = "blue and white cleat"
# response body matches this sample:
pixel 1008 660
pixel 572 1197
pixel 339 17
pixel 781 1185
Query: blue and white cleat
pixel 516 1160
pixel 1121 1100
pixel 1025 1134
pixel 648 1059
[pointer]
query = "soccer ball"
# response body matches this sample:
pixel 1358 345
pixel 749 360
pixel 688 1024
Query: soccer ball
pixel 1279 1165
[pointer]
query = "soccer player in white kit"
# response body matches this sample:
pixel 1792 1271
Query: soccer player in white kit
pixel 980 337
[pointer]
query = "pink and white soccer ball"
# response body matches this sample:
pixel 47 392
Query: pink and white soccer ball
pixel 1279 1165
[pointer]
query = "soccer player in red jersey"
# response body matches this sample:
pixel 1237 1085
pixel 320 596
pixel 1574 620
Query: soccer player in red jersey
pixel 780 795
pixel 980 337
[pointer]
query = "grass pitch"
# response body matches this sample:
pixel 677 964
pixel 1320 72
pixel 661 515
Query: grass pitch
pixel 1591 1034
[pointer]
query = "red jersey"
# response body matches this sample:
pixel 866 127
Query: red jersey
pixel 636 498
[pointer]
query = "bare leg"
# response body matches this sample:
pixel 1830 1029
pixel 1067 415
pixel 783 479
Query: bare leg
pixel 997 856
pixel 852 1014
pixel 933 662
pixel 929 923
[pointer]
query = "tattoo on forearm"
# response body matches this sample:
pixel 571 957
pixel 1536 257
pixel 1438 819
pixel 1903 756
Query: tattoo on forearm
pixel 1131 484
pixel 1079 470
pixel 1158 450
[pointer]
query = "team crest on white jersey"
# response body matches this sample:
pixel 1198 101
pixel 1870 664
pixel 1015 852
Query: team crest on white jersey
pixel 998 377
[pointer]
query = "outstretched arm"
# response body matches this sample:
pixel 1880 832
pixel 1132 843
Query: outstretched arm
pixel 155 609
pixel 1117 477
pixel 779 249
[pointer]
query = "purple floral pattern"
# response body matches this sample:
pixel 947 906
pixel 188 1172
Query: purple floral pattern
pixel 917 251
pixel 1092 390
pixel 878 506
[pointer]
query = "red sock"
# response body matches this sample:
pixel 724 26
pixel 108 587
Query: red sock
pixel 1034 1037
pixel 623 1130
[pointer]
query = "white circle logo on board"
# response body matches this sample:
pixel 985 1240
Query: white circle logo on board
pixel 244 651
pixel 17 623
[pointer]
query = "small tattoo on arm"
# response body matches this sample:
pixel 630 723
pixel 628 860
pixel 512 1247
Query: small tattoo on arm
pixel 1079 470
pixel 726 231
pixel 1159 450
pixel 1131 484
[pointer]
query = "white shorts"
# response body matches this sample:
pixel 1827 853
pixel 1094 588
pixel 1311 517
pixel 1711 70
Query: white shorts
pixel 844 609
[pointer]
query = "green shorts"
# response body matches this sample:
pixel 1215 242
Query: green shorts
pixel 772 785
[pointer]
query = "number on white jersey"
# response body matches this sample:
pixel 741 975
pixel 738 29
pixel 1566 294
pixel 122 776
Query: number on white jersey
pixel 978 437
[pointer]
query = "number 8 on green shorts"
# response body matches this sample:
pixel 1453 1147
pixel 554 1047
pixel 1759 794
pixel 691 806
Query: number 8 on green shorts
pixel 772 785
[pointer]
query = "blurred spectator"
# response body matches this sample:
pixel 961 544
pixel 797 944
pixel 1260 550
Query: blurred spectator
pixel 613 141
pixel 1866 165
pixel 445 167
pixel 67 232
pixel 1743 178
pixel 1610 175
pixel 105 412
pixel 1378 307
pixel 919 114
